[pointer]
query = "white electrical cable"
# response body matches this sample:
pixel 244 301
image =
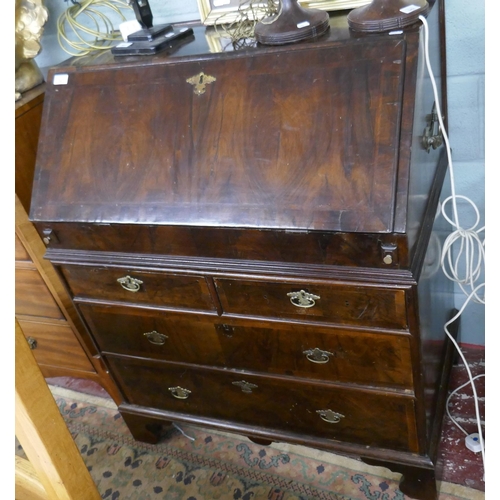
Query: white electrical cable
pixel 102 36
pixel 471 378
pixel 469 241
pixel 452 393
pixel 471 247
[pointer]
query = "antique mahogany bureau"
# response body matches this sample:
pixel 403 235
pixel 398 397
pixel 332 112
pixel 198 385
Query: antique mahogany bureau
pixel 250 237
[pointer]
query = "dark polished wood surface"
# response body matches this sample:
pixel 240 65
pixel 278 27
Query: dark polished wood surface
pixel 271 402
pixel 269 144
pixel 43 307
pixel 281 220
pixel 353 356
pixel 28 118
pixel 153 288
pixel 352 305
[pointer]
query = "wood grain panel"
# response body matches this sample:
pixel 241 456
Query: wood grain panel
pixel 315 247
pixel 337 303
pixel 43 434
pixel 167 290
pixel 21 254
pixel 354 356
pixel 56 345
pixel 369 418
pixel 28 117
pixel 302 139
pixel 33 297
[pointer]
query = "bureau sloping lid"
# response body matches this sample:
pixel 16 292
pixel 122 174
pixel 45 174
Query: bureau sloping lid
pixel 301 139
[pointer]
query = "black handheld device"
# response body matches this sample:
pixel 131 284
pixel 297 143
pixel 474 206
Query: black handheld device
pixel 149 39
pixel 146 47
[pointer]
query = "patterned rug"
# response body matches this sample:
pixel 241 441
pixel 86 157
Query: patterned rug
pixel 193 463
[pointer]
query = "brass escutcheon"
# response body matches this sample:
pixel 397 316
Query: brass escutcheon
pixel 246 387
pixel 318 356
pixel 330 416
pixel 130 284
pixel 156 338
pixel 200 81
pixel 303 299
pixel 179 392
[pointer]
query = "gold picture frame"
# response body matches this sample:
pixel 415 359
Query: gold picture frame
pixel 226 11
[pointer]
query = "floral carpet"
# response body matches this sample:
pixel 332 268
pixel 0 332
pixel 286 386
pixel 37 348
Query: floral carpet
pixel 193 463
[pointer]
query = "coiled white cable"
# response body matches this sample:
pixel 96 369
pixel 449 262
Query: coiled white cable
pixel 471 247
pixel 102 36
pixel 471 250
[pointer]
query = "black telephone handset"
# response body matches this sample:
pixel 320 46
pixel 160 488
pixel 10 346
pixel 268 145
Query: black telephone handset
pixel 143 13
pixel 150 39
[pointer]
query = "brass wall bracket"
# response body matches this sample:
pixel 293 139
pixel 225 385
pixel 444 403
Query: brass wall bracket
pixel 433 135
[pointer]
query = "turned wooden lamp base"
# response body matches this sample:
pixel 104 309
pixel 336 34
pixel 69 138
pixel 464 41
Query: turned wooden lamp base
pixel 387 15
pixel 291 24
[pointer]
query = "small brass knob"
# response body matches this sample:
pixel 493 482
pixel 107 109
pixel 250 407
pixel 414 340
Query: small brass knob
pixel 303 299
pixel 179 392
pixel 130 284
pixel 330 416
pixel 32 343
pixel 156 338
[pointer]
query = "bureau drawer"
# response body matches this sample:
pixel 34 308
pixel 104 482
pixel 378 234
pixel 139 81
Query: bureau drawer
pixel 56 345
pixel 32 296
pixel 335 303
pixel 129 285
pixel 304 351
pixel 363 417
pixel 21 254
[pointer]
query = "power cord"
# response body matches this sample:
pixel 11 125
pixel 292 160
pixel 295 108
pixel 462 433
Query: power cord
pixel 103 35
pixel 450 396
pixel 471 249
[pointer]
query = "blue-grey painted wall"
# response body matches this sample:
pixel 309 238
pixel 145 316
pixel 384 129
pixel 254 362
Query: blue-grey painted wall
pixel 465 38
pixel 465 28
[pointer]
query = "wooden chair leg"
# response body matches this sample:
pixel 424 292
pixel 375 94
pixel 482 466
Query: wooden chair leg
pixel 43 434
pixel 28 486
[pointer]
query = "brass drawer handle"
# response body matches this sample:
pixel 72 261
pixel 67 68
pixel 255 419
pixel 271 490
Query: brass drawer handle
pixel 156 338
pixel 130 284
pixel 303 299
pixel 318 356
pixel 245 387
pixel 330 416
pixel 179 392
pixel 32 342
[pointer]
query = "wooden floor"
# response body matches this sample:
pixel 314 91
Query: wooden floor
pixel 456 463
pixel 460 465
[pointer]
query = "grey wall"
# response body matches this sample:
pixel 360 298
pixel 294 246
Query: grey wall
pixel 465 38
pixel 466 83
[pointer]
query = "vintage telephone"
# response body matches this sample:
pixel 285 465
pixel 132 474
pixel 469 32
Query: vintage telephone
pixel 149 39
